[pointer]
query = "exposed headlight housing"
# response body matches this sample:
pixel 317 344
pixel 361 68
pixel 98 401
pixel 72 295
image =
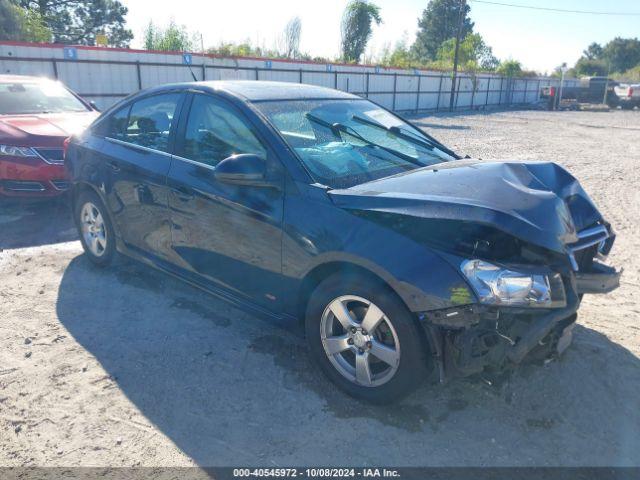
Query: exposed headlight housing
pixel 13 151
pixel 496 285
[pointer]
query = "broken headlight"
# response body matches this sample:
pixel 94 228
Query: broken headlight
pixel 496 285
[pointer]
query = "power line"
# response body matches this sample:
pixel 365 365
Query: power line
pixel 548 9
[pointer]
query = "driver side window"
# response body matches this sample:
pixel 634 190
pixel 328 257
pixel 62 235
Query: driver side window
pixel 214 132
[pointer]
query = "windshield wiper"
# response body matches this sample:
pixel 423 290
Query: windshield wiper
pixel 339 127
pixel 430 143
pixel 398 132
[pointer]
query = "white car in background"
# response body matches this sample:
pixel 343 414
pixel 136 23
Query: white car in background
pixel 628 95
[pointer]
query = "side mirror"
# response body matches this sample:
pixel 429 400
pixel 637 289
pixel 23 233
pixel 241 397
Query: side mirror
pixel 93 105
pixel 242 169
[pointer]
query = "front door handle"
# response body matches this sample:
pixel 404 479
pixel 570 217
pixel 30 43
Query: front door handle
pixel 183 193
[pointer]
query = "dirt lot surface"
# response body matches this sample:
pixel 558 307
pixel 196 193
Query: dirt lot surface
pixel 127 367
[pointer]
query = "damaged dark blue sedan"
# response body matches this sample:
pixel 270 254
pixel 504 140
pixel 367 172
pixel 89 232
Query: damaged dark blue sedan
pixel 405 260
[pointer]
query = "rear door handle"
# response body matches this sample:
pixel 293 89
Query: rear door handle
pixel 183 193
pixel 114 166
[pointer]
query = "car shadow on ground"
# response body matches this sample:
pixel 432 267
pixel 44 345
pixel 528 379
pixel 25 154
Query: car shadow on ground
pixel 230 389
pixel 31 223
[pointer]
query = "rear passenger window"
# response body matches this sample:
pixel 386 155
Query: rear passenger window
pixel 214 132
pixel 150 121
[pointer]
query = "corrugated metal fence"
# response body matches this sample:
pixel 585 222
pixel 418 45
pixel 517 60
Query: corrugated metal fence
pixel 106 75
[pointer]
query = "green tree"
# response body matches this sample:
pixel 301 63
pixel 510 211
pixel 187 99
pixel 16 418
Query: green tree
pixel 79 21
pixel 631 75
pixel 510 68
pixel 173 38
pixel 357 21
pixel 399 57
pixel 439 23
pixel 622 53
pixel 474 54
pixel 591 67
pixel 20 24
pixel 593 51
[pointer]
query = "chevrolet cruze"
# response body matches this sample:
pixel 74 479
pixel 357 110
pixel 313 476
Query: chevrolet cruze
pixel 404 260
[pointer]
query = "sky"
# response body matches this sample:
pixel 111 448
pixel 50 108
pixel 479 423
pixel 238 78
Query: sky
pixel 541 40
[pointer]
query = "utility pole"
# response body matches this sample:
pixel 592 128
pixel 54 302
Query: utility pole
pixel 463 5
pixel 606 84
pixel 563 69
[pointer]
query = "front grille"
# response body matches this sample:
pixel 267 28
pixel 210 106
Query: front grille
pixel 60 184
pixel 582 252
pixel 23 186
pixel 51 155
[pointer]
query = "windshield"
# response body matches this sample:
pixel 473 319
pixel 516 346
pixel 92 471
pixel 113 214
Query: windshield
pixel 348 142
pixel 37 97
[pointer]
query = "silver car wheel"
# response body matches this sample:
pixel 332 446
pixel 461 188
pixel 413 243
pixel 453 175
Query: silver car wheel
pixel 93 229
pixel 360 341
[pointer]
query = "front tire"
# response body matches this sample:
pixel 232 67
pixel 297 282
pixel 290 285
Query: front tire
pixel 95 229
pixel 364 339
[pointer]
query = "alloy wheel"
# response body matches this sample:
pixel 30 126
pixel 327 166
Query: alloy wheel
pixel 360 341
pixel 93 229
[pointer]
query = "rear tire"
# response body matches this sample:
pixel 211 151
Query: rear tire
pixel 379 357
pixel 94 226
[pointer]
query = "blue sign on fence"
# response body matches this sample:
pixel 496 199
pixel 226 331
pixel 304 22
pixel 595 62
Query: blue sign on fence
pixel 187 59
pixel 377 69
pixel 329 67
pixel 70 53
pixel 268 64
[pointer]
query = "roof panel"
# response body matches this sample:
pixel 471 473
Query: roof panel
pixel 257 90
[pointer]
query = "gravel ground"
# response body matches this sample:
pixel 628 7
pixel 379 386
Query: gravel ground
pixel 129 367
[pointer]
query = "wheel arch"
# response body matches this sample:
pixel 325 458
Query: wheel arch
pixel 320 272
pixel 81 187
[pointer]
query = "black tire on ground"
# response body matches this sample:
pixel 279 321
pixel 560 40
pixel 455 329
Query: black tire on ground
pixel 413 365
pixel 106 256
pixel 627 106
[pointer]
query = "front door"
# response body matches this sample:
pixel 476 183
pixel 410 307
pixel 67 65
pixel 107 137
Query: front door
pixel 137 159
pixel 229 235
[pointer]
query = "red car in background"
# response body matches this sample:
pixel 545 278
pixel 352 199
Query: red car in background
pixel 36 116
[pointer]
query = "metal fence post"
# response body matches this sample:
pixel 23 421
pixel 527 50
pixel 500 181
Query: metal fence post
pixel 257 73
pixel 473 91
pixel 300 77
pixel 395 82
pixel 501 88
pixel 418 93
pixel 139 75
pixel 204 71
pixel 526 87
pixel 486 99
pixel 457 93
pixel 439 92
pixel 55 68
pixel 335 80
pixel 367 86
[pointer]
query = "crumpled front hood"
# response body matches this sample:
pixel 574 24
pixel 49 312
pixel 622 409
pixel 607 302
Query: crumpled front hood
pixel 539 203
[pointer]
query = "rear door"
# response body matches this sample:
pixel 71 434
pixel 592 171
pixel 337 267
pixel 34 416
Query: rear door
pixel 137 159
pixel 227 235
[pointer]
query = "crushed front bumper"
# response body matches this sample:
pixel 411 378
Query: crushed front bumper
pixel 469 339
